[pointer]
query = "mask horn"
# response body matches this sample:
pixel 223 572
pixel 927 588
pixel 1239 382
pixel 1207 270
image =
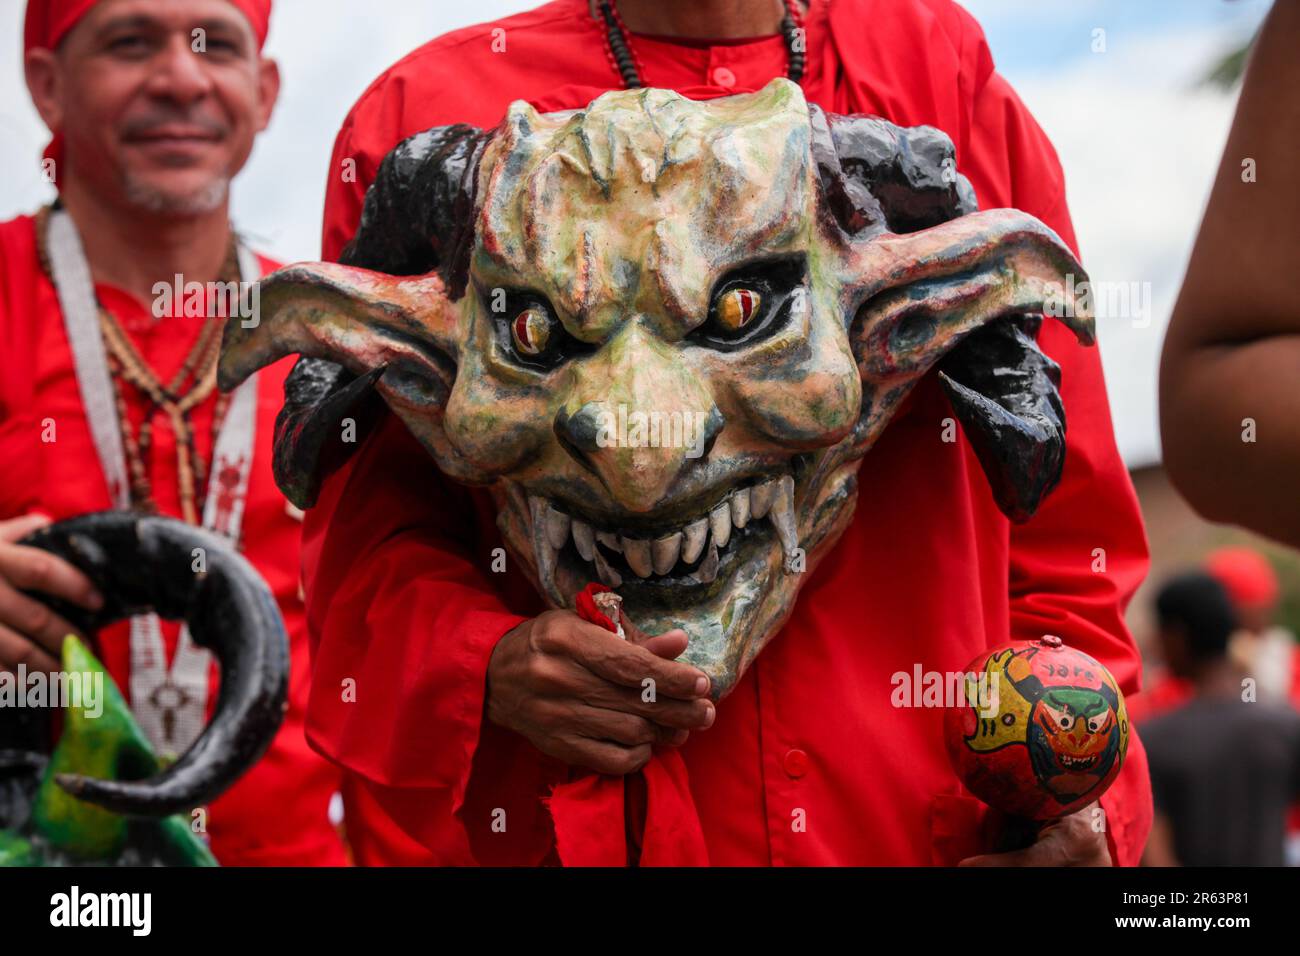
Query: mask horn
pixel 145 564
pixel 1004 391
pixel 954 288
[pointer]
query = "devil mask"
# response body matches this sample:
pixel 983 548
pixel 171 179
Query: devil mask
pixel 665 333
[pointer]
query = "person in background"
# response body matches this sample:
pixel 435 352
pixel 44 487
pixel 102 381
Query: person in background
pixel 1225 767
pixel 150 126
pixel 1264 650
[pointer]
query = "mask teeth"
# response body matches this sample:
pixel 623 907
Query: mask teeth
pixel 545 552
pixel 720 524
pixel 557 528
pixel 608 576
pixel 740 507
pixel 665 551
pixel 782 518
pixel 584 540
pixel 636 552
pixel 772 499
pixel 695 537
pixel 707 572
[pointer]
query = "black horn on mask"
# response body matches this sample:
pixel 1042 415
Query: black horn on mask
pixel 878 178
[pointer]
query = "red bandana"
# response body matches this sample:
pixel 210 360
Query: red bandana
pixel 48 21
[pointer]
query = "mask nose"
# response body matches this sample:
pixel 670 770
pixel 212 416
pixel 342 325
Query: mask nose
pixel 580 433
pixel 636 418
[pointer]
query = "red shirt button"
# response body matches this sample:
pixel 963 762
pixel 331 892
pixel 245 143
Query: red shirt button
pixel 724 77
pixel 795 763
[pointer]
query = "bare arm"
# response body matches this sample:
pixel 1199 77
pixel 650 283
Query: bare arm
pixel 1230 373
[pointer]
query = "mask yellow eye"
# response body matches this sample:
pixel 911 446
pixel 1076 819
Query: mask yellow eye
pixel 531 331
pixel 738 308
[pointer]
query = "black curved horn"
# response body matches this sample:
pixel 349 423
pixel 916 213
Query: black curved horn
pixel 419 211
pixel 144 563
pixel 876 177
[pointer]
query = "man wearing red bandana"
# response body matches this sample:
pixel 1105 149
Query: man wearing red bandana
pixel 806 761
pixel 154 107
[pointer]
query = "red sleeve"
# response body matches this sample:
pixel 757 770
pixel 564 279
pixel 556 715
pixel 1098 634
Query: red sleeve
pixel 350 172
pixel 404 614
pixel 1076 564
pixel 377 122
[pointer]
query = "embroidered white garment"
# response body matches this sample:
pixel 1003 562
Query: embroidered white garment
pixel 170 703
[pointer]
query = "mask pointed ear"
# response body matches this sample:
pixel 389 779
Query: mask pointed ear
pixel 399 334
pixel 360 319
pixel 417 221
pixel 958 293
pixel 924 292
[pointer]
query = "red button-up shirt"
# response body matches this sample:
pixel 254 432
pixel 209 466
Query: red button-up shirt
pixel 62 477
pixel 807 762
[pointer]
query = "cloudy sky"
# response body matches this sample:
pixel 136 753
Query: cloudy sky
pixel 1113 82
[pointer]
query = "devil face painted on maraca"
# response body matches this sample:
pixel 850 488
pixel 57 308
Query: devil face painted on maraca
pixel 1072 729
pixel 665 333
pixel 1048 737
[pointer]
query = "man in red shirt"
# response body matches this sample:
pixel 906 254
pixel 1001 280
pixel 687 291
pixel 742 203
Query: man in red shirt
pixel 806 761
pixel 154 107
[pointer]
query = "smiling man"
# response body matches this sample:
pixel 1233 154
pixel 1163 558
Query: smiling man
pixel 154 107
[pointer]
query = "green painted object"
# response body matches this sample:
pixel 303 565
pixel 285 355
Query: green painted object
pixel 15 851
pixel 100 739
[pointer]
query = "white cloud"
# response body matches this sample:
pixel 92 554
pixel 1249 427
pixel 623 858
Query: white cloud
pixel 1140 141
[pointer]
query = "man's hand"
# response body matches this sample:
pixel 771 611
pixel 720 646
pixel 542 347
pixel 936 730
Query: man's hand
pixel 577 691
pixel 1069 841
pixel 30 633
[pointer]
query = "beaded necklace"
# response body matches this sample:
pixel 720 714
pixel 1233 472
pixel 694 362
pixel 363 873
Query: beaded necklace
pixel 128 369
pixel 626 62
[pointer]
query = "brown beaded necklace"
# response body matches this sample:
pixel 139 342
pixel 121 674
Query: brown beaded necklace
pixel 620 52
pixel 129 370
